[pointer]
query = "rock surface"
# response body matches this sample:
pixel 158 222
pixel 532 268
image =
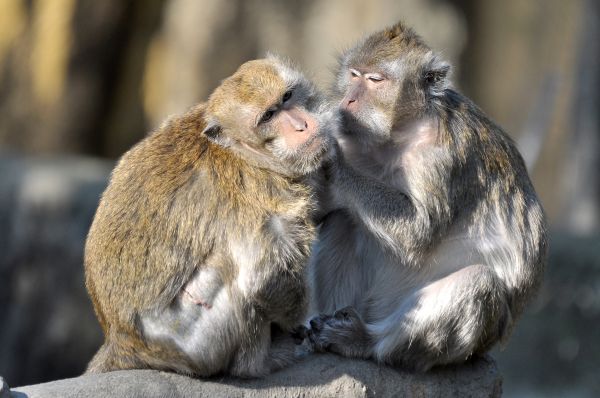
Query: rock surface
pixel 317 376
pixel 4 390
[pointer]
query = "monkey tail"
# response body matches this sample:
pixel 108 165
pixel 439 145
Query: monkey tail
pixel 111 357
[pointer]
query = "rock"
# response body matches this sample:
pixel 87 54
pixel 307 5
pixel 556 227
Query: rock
pixel 4 390
pixel 323 375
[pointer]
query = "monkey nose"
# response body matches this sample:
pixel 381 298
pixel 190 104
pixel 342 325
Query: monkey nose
pixel 351 103
pixel 301 125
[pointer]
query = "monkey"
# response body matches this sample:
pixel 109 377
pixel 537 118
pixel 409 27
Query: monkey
pixel 434 239
pixel 196 258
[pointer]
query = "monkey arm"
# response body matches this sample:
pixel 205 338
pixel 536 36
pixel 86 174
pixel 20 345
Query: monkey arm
pixel 404 225
pixel 321 185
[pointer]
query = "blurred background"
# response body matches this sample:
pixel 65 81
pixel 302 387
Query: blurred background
pixel 82 80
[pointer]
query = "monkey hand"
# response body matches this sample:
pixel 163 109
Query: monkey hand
pixel 342 333
pixel 299 334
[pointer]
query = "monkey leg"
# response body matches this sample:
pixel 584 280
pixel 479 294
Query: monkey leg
pixel 203 287
pixel 446 321
pixel 287 349
pixel 195 298
pixel 200 326
pixel 343 333
pixel 122 351
pixel 338 275
pixel 267 352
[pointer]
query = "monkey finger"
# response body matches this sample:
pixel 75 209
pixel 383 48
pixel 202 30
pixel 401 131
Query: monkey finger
pixel 299 333
pixel 318 322
pixel 316 341
pixel 346 313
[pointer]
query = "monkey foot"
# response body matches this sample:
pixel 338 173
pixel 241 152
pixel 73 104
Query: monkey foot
pixel 343 333
pixel 299 334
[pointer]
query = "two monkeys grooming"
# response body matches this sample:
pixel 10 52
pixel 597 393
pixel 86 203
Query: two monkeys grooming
pixel 398 212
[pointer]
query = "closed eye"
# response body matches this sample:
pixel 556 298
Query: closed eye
pixel 375 78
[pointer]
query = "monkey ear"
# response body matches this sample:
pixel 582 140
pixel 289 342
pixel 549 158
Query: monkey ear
pixel 214 132
pixel 443 68
pixel 436 77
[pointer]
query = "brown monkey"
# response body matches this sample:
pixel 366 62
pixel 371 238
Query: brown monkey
pixel 437 240
pixel 199 244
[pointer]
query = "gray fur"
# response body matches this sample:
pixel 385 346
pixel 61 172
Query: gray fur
pixel 435 235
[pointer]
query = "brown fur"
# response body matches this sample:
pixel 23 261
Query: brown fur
pixel 174 204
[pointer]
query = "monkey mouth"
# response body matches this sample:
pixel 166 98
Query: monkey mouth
pixel 309 155
pixel 314 143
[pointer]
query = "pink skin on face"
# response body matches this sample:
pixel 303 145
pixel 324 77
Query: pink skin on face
pixel 353 99
pixel 297 126
pixel 361 84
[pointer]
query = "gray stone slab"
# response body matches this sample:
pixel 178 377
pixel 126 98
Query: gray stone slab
pixel 321 375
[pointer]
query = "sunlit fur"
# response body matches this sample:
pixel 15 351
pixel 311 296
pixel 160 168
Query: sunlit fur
pixel 199 245
pixel 237 105
pixel 436 238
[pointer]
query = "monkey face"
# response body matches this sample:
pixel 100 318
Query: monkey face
pixel 367 99
pixel 293 130
pixel 390 79
pixel 271 115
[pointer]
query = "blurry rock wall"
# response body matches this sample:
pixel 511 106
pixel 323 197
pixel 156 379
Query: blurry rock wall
pixel 91 78
pixel 81 76
pixel 47 325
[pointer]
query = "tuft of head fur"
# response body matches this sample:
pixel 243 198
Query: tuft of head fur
pixel 386 45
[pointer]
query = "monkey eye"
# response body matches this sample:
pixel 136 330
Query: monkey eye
pixel 268 115
pixel 375 78
pixel 286 96
pixel 354 73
